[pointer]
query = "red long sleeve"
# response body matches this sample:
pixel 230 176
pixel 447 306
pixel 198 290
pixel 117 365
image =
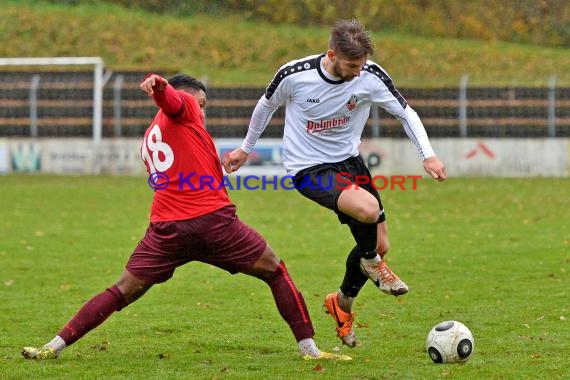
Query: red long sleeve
pixel 169 101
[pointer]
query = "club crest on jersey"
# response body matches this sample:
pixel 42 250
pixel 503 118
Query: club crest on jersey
pixel 352 102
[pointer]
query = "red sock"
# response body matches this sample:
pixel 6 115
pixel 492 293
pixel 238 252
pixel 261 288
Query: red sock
pixel 92 314
pixel 291 304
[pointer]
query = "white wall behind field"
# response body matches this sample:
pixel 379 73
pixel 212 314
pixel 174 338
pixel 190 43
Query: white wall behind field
pixel 464 157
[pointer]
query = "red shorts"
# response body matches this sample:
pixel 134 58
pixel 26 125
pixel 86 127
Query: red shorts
pixel 219 238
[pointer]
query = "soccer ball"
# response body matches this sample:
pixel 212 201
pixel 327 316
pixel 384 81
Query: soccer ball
pixel 450 342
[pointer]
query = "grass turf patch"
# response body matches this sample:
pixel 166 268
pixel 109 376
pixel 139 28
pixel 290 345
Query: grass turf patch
pixel 492 253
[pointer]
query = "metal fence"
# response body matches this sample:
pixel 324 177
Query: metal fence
pixel 61 104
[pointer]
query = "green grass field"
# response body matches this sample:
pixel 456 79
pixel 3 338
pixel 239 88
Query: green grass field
pixel 492 253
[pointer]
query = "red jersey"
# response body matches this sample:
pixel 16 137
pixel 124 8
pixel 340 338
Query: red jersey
pixel 181 159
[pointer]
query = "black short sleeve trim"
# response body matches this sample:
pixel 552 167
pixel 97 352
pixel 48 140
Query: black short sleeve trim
pixel 286 71
pixel 381 74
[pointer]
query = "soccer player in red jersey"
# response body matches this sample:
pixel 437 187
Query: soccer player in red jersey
pixel 192 219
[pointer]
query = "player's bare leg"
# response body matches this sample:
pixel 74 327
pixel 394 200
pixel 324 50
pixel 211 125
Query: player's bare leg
pixel 359 204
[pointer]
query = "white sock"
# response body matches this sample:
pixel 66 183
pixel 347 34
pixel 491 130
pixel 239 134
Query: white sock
pixel 375 261
pixel 57 344
pixel 309 347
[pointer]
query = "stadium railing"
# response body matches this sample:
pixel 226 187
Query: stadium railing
pixel 60 104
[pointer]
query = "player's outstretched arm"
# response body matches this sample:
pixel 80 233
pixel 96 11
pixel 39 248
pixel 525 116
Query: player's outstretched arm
pixel 153 82
pixel 234 160
pixel 164 95
pixel 435 167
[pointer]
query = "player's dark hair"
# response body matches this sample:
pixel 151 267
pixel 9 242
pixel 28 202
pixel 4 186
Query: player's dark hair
pixel 349 39
pixel 186 82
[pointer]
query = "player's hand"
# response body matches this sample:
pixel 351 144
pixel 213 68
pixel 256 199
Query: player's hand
pixel 153 82
pixel 434 167
pixel 234 160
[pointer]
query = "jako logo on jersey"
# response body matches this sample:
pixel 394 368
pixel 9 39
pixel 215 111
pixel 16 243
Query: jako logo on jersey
pixel 313 100
pixel 352 102
pixel 314 126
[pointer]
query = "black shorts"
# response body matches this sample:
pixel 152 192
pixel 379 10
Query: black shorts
pixel 324 183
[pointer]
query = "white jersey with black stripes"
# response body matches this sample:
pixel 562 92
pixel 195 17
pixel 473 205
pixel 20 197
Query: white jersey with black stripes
pixel 325 116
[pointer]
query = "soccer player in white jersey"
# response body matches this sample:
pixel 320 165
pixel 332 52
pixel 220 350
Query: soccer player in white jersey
pixel 327 100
